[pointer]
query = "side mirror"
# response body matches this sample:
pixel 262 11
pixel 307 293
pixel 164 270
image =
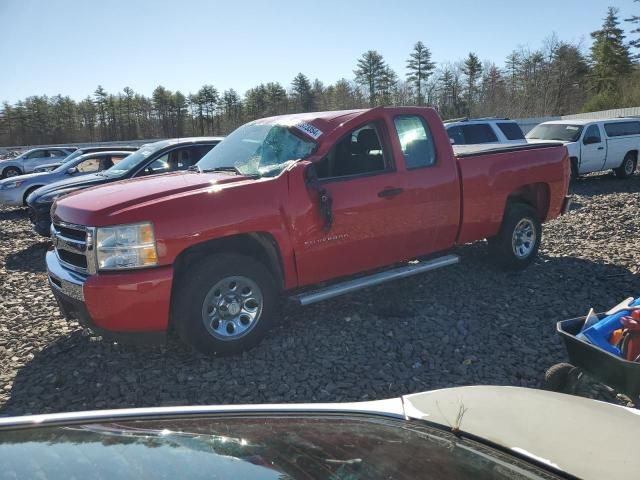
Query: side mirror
pixel 452 141
pixel 72 171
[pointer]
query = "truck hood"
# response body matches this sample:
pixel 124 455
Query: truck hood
pixel 95 206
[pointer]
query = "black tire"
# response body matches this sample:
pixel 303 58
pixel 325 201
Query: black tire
pixel 11 172
pixel 502 248
pixel 197 286
pixel 556 378
pixel 29 192
pixel 628 166
pixel 575 175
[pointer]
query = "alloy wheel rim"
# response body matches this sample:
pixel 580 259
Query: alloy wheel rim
pixel 12 173
pixel 232 308
pixel 628 166
pixel 524 238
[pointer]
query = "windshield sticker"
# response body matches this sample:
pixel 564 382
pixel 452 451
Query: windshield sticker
pixel 572 128
pixel 309 129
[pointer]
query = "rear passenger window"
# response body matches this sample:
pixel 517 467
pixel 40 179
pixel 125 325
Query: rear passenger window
pixel 511 130
pixel 479 133
pixel 416 141
pixel 619 129
pixel 455 135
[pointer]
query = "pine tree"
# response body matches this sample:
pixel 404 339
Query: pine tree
pixel 635 20
pixel 303 93
pixel 609 54
pixel 472 69
pixel 420 67
pixel 370 72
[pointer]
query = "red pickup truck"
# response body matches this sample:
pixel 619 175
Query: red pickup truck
pixel 307 206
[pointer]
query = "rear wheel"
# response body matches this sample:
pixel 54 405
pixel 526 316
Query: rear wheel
pixel 225 304
pixel 11 172
pixel 518 241
pixel 628 166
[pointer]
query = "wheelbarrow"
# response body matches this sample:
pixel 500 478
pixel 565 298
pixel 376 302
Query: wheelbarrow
pixel 617 373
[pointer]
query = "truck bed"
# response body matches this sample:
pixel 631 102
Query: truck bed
pixel 491 174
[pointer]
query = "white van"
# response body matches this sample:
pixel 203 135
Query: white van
pixel 595 145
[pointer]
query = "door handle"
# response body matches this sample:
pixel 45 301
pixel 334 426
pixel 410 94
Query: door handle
pixel 600 148
pixel 390 192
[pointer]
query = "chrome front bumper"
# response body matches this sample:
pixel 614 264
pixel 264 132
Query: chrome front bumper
pixel 64 281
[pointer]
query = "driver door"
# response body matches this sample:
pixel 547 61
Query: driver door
pixel 368 207
pixel 594 152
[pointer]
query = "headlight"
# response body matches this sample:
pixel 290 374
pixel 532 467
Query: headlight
pixel 51 196
pixel 126 246
pixel 14 184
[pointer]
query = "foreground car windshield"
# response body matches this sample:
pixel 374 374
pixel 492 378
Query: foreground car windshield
pixel 257 448
pixel 258 149
pixel 559 132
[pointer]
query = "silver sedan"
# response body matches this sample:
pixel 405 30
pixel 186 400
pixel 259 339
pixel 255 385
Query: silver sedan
pixel 15 190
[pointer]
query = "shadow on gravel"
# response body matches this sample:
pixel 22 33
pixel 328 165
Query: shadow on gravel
pixel 30 259
pixel 603 184
pixel 14 214
pixel 469 324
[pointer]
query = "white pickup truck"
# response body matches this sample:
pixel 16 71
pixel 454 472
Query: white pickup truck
pixel 595 145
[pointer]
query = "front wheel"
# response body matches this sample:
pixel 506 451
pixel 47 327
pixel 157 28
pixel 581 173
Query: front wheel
pixel 628 166
pixel 518 241
pixel 225 304
pixel 11 172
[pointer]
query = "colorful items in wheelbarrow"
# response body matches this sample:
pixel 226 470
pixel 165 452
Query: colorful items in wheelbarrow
pixel 625 316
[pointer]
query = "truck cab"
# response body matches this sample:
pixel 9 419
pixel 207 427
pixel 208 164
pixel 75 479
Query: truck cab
pixel 595 145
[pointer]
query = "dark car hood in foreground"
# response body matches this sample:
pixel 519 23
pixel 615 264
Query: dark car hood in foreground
pixel 581 437
pixel 84 181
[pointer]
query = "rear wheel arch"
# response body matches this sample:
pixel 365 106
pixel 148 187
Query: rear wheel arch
pixel 536 195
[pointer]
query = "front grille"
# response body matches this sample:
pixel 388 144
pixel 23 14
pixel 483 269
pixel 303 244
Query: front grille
pixel 70 242
pixel 72 233
pixel 75 259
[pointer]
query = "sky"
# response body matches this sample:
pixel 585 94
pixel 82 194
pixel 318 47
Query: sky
pixel 72 46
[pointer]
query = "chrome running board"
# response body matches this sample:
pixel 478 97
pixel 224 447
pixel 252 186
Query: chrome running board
pixel 349 286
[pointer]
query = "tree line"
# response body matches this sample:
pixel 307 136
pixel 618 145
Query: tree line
pixel 557 78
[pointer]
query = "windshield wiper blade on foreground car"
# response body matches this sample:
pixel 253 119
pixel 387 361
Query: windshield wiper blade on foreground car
pixel 230 169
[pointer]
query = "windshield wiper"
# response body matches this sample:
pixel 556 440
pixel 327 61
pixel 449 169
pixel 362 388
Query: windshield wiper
pixel 230 169
pixel 222 169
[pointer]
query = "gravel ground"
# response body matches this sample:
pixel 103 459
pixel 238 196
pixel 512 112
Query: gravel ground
pixel 469 324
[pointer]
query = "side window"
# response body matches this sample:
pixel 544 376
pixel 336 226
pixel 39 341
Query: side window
pixel 115 159
pixel 511 130
pixel 359 153
pixel 179 159
pixel 592 135
pixel 478 133
pixel 456 135
pixel 57 153
pixel 37 154
pixel 619 129
pixel 89 165
pixel 416 141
